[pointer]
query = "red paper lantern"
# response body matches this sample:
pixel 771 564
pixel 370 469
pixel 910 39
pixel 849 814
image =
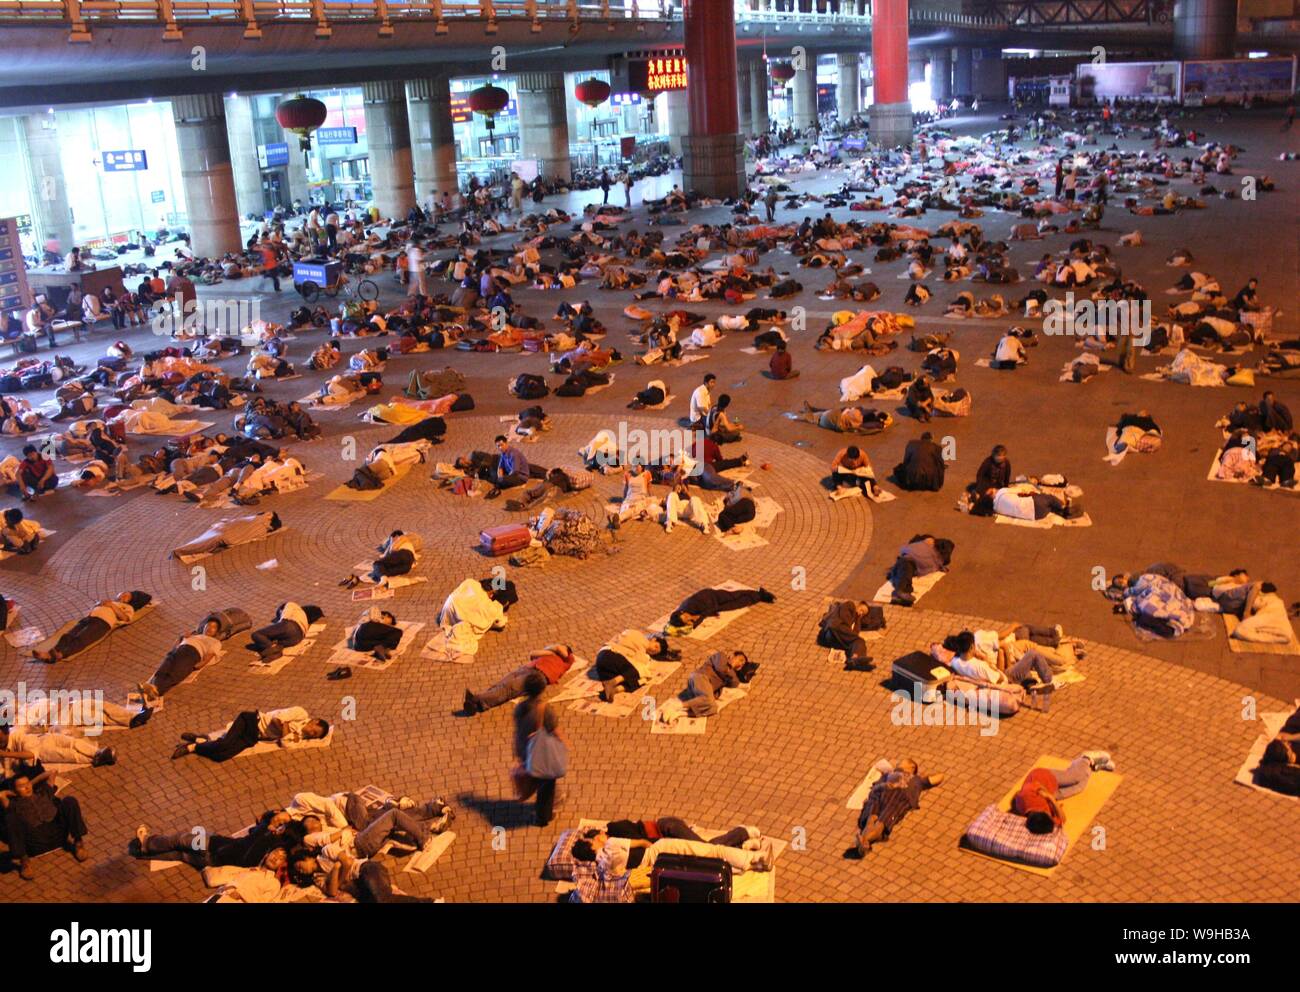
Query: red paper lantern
pixel 301 116
pixel 782 72
pixel 592 92
pixel 488 100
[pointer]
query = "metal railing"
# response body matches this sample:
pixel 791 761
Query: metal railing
pixel 79 16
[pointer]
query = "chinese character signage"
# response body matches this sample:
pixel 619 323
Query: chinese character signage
pixel 276 153
pixel 13 271
pixel 655 75
pixel 336 136
pixel 132 160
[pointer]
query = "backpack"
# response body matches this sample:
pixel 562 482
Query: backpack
pixel 364 478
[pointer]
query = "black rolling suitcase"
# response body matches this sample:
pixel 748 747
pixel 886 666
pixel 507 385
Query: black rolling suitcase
pixel 683 878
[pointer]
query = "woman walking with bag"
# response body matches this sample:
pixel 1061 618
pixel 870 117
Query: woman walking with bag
pixel 547 763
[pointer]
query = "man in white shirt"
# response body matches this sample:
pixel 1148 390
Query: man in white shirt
pixel 290 725
pixel 469 612
pixel 289 627
pixel 1025 503
pixel 415 266
pixel 974 664
pixel 332 229
pixel 701 400
pixel 191 653
pixel 1010 352
pixel 19 747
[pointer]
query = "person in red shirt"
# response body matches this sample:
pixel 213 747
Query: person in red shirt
pixel 782 365
pixel 1040 795
pixel 270 263
pixel 35 474
pixel 550 663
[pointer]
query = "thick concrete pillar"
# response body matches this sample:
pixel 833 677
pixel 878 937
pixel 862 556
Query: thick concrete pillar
pixel 299 188
pixel 207 175
pixel 51 215
pixel 1205 29
pixel 759 87
pixel 744 98
pixel 243 156
pixel 388 138
pixel 433 137
pixel 713 152
pixel 963 76
pixel 544 123
pixel 805 94
pixel 941 75
pixel 674 117
pixel 891 110
pixel 916 68
pixel 848 92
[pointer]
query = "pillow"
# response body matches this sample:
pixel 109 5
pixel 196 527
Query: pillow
pixel 1004 835
pixel 560 863
pixel 1242 377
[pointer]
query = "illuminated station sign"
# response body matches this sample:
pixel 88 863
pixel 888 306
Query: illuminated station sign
pixel 657 74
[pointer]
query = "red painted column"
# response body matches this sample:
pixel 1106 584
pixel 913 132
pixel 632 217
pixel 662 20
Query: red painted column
pixel 713 152
pixel 891 111
pixel 711 57
pixel 889 50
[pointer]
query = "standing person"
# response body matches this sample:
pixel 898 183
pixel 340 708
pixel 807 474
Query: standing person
pixel 546 762
pixel 1071 183
pixel 516 194
pixel 314 226
pixel 604 185
pixel 415 266
pixel 627 186
pixel 332 228
pixel 270 262
pixel 1290 118
pixel 186 298
pixel 770 201
pixel 1060 177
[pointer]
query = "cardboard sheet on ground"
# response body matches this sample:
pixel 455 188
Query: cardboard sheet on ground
pixel 344 655
pixel 1046 523
pixel 1238 646
pixel 584 690
pixel 346 494
pixel 45 535
pixel 709 625
pixel 424 859
pixel 920 586
pixel 48 643
pixel 694 725
pixel 1273 723
pixel 262 747
pixel 436 648
pixel 1213 476
pixel 1080 810
pixel 297 651
pixel 176 428
pixel 765 512
pixel 859 794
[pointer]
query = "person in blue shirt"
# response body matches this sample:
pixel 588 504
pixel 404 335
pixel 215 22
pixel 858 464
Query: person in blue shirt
pixel 511 468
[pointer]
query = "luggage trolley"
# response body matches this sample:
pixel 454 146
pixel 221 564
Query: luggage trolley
pixel 313 278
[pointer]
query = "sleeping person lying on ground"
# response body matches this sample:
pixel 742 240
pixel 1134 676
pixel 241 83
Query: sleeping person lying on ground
pixel 287 628
pixel 397 556
pixel 284 727
pixel 550 663
pixel 890 800
pixel 102 620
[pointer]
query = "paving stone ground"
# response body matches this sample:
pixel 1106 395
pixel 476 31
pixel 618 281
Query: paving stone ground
pixel 787 757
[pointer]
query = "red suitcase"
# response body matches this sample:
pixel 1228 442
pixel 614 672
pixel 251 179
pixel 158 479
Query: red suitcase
pixel 505 539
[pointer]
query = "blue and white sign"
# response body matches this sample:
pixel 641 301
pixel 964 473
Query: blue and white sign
pixel 336 135
pixel 625 99
pixel 132 160
pixel 276 153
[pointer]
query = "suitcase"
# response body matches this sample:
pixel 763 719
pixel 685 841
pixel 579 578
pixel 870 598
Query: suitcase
pixel 505 539
pixel 679 878
pixel 917 668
